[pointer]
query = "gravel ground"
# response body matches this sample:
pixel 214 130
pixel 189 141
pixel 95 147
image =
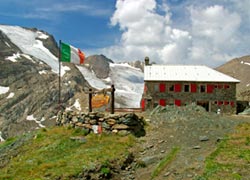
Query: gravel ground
pixel 190 128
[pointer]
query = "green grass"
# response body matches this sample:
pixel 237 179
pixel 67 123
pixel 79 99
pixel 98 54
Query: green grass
pixel 51 154
pixel 164 162
pixel 231 159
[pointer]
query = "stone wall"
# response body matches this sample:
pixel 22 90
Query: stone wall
pixel 99 122
pixel 222 96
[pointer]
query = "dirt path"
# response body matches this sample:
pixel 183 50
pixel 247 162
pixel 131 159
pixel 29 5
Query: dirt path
pixel 193 131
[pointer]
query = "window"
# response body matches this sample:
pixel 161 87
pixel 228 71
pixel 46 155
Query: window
pixel 202 88
pixel 156 87
pixel 226 102
pixel 177 88
pixel 143 104
pixel 220 86
pixel 210 88
pixel 171 88
pixel 193 88
pixel 177 102
pixel 215 102
pixel 186 88
pixel 162 87
pixel 155 104
pixel 232 103
pixel 220 103
pixel 226 86
pixel 162 102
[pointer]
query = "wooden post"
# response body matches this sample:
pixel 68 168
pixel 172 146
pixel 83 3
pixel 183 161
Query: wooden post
pixel 112 108
pixel 90 99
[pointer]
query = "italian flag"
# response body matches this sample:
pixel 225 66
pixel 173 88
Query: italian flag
pixel 71 54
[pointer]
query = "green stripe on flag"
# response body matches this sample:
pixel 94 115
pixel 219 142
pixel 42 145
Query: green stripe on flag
pixel 65 52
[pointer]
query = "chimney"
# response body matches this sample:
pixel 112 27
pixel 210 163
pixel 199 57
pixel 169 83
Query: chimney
pixel 146 61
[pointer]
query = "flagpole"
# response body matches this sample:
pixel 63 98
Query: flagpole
pixel 59 78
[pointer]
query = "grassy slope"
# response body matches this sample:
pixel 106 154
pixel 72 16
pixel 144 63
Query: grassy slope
pixel 231 160
pixel 52 154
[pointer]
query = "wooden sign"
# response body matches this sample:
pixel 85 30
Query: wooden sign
pixel 99 100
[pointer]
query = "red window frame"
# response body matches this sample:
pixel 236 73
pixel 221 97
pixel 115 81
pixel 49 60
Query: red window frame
pixel 232 103
pixel 162 87
pixel 177 102
pixel 193 88
pixel 220 86
pixel 162 102
pixel 226 102
pixel 226 86
pixel 210 88
pixel 143 104
pixel 177 88
pixel 220 103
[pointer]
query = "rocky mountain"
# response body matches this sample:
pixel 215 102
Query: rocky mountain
pixel 239 68
pixel 29 87
pixel 29 80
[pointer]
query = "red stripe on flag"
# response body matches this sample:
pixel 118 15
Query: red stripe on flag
pixel 81 56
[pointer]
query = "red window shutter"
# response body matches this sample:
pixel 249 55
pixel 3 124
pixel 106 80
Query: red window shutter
pixel 226 86
pixel 220 86
pixel 162 87
pixel 177 102
pixel 143 104
pixel 226 102
pixel 232 103
pixel 220 103
pixel 177 88
pixel 162 102
pixel 210 88
pixel 193 88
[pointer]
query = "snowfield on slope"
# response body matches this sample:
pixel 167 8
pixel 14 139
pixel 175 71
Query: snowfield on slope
pixel 26 40
pixel 128 82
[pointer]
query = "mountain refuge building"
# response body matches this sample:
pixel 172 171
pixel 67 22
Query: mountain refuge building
pixel 181 85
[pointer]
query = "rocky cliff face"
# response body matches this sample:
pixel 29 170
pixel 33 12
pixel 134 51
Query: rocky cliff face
pixel 29 86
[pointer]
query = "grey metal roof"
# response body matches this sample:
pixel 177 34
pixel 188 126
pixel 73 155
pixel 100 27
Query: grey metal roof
pixel 193 73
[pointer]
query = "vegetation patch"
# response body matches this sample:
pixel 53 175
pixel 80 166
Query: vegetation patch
pixel 232 157
pixel 53 154
pixel 164 162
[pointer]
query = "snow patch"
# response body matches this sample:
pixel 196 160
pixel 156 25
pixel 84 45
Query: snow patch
pixel 107 79
pixel 28 57
pixel 43 72
pixel 91 78
pixel 26 41
pixel 11 95
pixel 13 58
pixel 247 63
pixel 128 81
pixel 7 44
pixel 32 118
pixel 1 138
pixel 41 35
pixel 77 105
pixel 248 85
pixel 4 90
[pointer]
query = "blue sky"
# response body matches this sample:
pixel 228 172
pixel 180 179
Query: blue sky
pixel 168 31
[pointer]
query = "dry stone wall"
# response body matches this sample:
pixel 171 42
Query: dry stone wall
pixel 100 122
